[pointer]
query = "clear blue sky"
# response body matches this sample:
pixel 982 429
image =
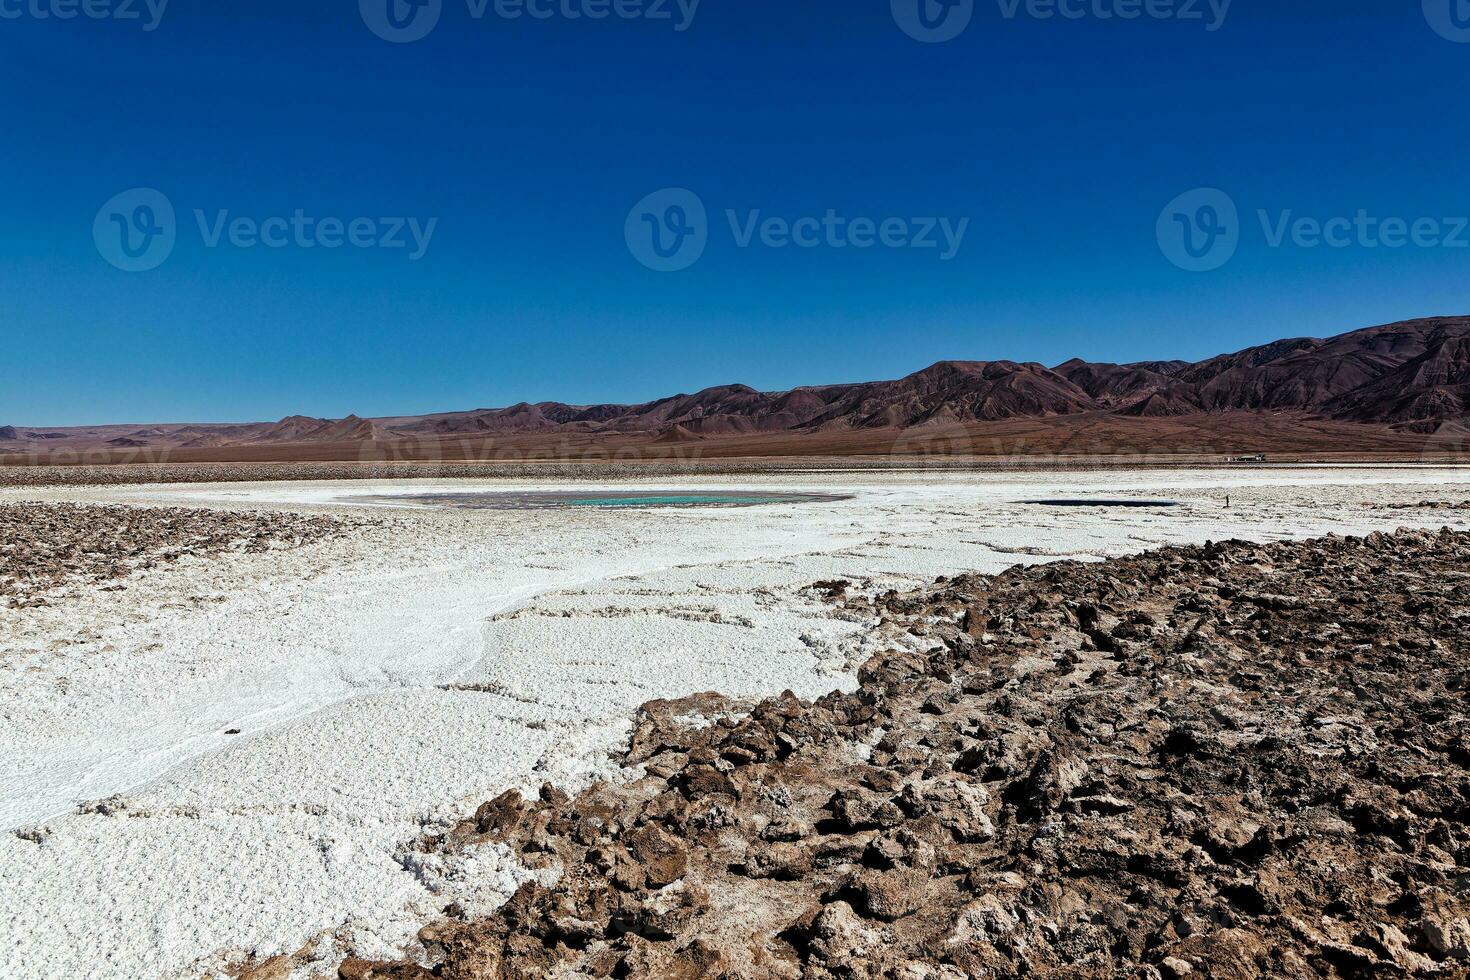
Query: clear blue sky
pixel 530 141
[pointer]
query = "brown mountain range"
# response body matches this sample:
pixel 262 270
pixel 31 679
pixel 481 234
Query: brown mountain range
pixel 1408 378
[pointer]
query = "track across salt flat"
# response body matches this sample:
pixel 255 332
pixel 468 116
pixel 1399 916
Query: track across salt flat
pixel 384 684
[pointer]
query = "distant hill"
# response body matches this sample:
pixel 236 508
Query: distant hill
pixel 299 428
pixel 1413 377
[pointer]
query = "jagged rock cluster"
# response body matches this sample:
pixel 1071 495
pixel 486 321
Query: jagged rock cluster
pixel 1226 761
pixel 1431 505
pixel 43 545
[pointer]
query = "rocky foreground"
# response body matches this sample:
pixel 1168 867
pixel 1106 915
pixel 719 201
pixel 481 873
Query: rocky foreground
pixel 46 546
pixel 1226 761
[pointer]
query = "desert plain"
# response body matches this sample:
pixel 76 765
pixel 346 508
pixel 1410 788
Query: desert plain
pixel 228 746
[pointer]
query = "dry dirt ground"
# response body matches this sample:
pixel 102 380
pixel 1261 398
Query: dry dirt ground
pixel 1229 761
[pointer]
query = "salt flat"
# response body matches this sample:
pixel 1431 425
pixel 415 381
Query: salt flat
pixel 386 683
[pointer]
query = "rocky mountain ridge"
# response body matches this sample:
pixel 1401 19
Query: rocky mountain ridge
pixel 1413 376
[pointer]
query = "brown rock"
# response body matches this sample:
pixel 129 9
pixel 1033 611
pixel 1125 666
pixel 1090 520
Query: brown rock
pixel 891 895
pixel 501 816
pixel 663 857
pixel 1126 778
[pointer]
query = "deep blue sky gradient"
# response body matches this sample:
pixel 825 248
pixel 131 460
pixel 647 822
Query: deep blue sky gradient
pixel 530 141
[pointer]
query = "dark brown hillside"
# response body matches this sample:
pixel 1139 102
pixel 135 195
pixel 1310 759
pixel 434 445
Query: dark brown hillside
pixel 1413 377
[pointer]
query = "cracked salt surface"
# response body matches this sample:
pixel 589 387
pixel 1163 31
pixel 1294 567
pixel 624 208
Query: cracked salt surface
pixel 385 684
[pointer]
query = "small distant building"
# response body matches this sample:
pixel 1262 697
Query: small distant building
pixel 1255 458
